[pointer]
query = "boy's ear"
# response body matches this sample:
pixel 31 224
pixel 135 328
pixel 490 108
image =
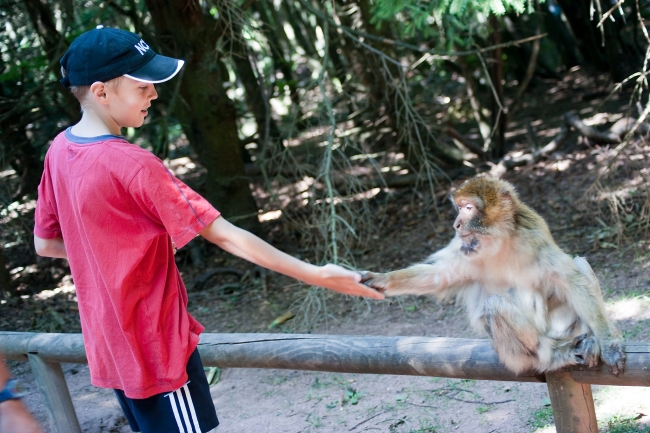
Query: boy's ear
pixel 98 92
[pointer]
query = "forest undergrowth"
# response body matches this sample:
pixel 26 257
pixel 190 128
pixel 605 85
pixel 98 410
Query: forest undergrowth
pixel 595 198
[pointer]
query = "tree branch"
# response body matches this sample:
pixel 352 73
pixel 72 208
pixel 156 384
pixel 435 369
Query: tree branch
pixel 599 137
pixel 438 54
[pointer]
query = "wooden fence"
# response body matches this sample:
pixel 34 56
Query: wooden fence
pixel 569 389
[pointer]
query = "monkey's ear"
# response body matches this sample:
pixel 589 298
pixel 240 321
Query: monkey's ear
pixel 506 195
pixel 453 202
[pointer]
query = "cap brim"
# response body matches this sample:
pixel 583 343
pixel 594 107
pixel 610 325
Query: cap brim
pixel 158 70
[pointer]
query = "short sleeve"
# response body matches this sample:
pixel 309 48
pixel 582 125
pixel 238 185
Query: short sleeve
pixel 46 221
pixel 165 198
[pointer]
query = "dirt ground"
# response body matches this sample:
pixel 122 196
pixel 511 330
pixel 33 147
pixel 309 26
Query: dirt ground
pixel 246 300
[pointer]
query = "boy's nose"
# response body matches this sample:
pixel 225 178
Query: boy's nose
pixel 154 92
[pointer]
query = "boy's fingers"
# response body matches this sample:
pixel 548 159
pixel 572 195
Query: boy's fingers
pixel 372 293
pixel 355 277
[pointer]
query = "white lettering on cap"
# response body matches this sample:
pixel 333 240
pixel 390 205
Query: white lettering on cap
pixel 142 47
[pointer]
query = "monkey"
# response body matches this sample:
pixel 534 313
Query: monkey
pixel 541 308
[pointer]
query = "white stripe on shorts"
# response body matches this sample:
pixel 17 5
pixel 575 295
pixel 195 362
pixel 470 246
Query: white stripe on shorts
pixel 195 420
pixel 179 423
pixel 184 425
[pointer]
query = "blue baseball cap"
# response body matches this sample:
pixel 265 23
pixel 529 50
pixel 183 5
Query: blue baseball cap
pixel 105 53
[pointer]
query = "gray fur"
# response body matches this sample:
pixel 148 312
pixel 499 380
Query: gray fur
pixel 541 308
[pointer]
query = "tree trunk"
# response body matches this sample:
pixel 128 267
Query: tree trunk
pixel 559 33
pixel 496 75
pixel 5 278
pixel 604 50
pixel 622 58
pixel 25 158
pixel 366 64
pixel 378 76
pixel 589 40
pixel 207 115
pixel 54 45
pixel 273 30
pixel 22 157
pixel 255 95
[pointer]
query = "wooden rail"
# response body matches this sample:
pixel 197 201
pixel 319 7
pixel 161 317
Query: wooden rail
pixel 569 389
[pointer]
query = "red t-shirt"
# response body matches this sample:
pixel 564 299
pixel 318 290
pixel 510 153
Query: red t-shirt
pixel 118 210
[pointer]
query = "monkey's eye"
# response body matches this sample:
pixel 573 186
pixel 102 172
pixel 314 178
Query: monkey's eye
pixel 468 206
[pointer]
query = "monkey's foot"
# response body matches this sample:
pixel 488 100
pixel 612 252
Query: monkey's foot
pixel 586 349
pixel 613 355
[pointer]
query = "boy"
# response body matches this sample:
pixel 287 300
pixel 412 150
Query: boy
pixel 118 215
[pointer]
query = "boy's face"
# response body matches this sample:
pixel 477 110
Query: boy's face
pixel 129 100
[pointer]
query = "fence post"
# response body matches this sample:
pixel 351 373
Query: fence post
pixel 572 403
pixel 54 389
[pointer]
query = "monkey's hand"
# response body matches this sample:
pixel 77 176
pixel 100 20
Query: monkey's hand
pixel 586 349
pixel 420 279
pixel 374 280
pixel 390 284
pixel 589 349
pixel 612 353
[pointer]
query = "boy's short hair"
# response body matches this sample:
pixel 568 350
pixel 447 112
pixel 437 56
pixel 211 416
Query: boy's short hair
pixel 105 53
pixel 81 92
pixel 78 92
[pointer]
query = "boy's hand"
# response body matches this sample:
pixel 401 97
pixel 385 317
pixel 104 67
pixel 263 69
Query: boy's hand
pixel 344 281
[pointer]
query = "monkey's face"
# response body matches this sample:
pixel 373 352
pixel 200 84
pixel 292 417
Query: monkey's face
pixel 469 225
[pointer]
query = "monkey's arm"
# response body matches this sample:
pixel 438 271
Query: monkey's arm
pixel 442 270
pixel 584 295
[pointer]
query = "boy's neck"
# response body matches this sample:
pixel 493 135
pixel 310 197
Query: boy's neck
pixel 92 125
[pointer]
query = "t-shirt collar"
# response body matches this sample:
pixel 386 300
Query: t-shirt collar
pixel 87 140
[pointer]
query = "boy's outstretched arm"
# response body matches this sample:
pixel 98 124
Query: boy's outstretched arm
pixel 246 245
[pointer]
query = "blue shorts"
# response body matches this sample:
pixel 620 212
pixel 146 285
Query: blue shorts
pixel 189 409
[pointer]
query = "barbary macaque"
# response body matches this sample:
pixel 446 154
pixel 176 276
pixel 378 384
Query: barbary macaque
pixel 542 309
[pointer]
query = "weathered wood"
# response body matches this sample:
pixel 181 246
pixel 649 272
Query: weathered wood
pixel 572 402
pixel 54 389
pixel 418 356
pixel 423 356
pixel 14 344
pixel 59 347
pixel 459 358
pixel 51 347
